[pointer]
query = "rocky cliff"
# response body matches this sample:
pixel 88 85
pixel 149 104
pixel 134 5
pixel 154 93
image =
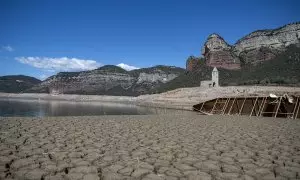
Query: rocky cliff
pixel 264 45
pixel 109 80
pixel 254 48
pixel 219 53
pixel 283 70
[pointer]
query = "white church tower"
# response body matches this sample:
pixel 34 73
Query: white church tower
pixel 215 77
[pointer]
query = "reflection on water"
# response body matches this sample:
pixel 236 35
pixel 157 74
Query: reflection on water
pixel 19 107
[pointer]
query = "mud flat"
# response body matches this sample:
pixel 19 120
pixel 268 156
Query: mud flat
pixel 178 147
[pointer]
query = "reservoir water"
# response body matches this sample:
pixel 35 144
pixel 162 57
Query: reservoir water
pixel 40 108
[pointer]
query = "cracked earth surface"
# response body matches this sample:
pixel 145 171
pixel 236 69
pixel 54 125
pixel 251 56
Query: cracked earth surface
pixel 149 147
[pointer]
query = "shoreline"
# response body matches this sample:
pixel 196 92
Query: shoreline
pixel 69 97
pixel 181 99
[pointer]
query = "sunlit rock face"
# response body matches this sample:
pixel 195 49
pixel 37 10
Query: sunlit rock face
pixel 218 53
pixel 156 77
pixel 264 45
pixel 109 80
pixel 191 64
pixel 256 47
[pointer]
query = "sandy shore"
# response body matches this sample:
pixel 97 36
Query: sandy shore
pixel 182 98
pixel 148 147
pixel 185 98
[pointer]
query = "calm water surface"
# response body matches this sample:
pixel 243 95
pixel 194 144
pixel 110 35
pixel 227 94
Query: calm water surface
pixel 22 107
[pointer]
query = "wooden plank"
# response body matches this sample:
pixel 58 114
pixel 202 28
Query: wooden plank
pixel 225 106
pixel 206 113
pixel 254 106
pixel 278 106
pixel 231 106
pixel 202 106
pixel 237 106
pixel 285 113
pixel 269 112
pixel 259 108
pixel 219 106
pixel 242 106
pixel 222 106
pixel 295 107
pixel 214 105
pixel 297 111
pixel 263 105
pixel 222 102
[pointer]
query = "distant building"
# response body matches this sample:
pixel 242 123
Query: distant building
pixel 214 82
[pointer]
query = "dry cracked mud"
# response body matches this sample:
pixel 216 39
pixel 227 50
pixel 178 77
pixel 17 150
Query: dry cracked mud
pixel 149 147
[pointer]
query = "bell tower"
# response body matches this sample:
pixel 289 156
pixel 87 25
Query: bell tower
pixel 215 77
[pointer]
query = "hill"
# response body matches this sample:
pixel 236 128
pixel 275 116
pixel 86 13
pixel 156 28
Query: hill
pixel 17 83
pixel 109 80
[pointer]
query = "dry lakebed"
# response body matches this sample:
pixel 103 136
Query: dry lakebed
pixel 171 147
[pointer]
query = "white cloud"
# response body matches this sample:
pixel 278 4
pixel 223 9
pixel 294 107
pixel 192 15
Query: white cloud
pixel 127 67
pixel 59 64
pixel 8 48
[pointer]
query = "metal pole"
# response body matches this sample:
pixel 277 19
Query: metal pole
pixel 278 107
pixel 295 107
pixel 242 106
pixel 254 106
pixel 231 106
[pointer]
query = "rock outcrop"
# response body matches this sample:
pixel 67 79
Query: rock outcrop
pixel 193 63
pixel 109 80
pixel 258 46
pixel 219 54
pixel 264 45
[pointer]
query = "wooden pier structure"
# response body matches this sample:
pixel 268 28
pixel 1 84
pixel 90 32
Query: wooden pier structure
pixel 269 106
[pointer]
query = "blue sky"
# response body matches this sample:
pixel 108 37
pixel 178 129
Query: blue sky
pixel 39 38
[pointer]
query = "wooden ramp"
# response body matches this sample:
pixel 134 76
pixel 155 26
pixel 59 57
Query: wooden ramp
pixel 269 106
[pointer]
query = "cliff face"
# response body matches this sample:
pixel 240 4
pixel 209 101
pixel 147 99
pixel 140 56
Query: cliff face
pixel 194 63
pixel 219 54
pixel 256 47
pixel 283 70
pixel 264 45
pixel 109 80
